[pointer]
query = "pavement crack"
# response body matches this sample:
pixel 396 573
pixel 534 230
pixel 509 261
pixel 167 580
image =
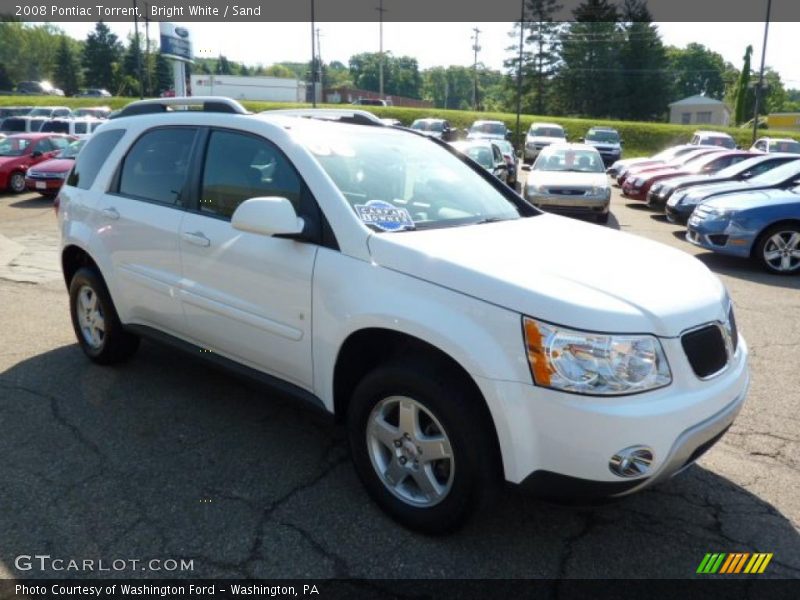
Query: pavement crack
pixel 340 567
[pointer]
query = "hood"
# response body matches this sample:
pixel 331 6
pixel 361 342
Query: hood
pixel 654 173
pixel 722 188
pixel 755 199
pixel 687 180
pixel 631 162
pixel 54 165
pixel 545 139
pixel 564 271
pixel 568 178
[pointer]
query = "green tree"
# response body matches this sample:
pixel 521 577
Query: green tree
pixel 164 79
pixel 742 88
pixel 401 74
pixel 644 88
pixel 589 78
pixel 101 52
pixel 67 75
pixel 224 66
pixel 696 70
pixel 132 72
pixel 5 81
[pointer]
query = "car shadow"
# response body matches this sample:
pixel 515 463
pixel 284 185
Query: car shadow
pixel 163 457
pixel 33 202
pixel 748 269
pixel 660 217
pixel 639 206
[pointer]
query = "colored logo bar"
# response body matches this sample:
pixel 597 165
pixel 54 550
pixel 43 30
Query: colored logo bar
pixel 734 563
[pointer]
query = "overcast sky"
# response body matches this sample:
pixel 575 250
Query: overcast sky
pixel 450 44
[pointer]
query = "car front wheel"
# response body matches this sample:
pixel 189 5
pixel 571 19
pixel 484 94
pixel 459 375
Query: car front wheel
pixel 16 183
pixel 420 445
pixel 778 249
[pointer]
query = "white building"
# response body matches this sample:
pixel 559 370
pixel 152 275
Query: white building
pixel 699 110
pixel 270 89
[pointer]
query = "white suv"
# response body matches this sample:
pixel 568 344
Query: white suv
pixel 461 335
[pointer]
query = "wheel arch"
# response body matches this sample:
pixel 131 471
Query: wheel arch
pixel 73 257
pixel 764 230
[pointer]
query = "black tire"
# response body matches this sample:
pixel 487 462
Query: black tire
pixel 16 182
pixel 765 244
pixel 116 345
pixel 466 424
pixel 603 218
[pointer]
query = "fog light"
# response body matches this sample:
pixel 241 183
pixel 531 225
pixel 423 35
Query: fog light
pixel 632 462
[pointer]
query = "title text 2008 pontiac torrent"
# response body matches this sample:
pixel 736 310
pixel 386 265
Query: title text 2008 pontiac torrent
pixel 463 336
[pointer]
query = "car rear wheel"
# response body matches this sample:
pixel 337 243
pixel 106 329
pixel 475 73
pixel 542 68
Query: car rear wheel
pixel 603 218
pixel 16 183
pixel 100 334
pixel 420 445
pixel 778 249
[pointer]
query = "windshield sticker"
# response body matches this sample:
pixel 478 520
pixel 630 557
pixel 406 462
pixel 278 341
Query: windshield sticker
pixel 384 216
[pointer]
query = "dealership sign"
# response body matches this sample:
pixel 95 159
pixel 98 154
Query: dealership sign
pixel 175 42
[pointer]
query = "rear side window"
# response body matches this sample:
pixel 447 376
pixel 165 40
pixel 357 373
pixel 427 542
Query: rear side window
pixel 13 125
pixel 92 157
pixel 238 167
pixel 55 127
pixel 80 127
pixel 156 166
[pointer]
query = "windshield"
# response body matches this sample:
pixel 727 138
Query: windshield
pixel 13 147
pixel 556 132
pixel 72 150
pixel 491 128
pixel 569 159
pixel 785 146
pixel 40 112
pixel 740 167
pixel 396 182
pixel 609 137
pixel 422 125
pixel 779 174
pixel 687 158
pixel 505 147
pixel 718 140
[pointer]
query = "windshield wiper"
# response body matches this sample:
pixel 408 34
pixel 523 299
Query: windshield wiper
pixel 490 220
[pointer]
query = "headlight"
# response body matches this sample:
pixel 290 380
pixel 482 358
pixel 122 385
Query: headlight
pixel 598 190
pixel 594 363
pixel 718 213
pixel 638 182
pixel 61 175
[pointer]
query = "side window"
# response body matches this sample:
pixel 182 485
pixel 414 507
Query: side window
pixel 43 146
pixel 498 156
pixel 91 158
pixel 157 164
pixel 59 143
pixel 238 167
pixel 80 127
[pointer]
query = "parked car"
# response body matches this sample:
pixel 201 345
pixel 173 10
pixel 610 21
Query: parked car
pixel 438 128
pixel 488 130
pixel 25 124
pixel 633 178
pixel 680 206
pixel 541 135
pixel 14 111
pixel 48 176
pixel 607 142
pixel 767 144
pixel 639 187
pixel 713 138
pixel 661 192
pixel 763 225
pixel 570 179
pixel 51 112
pixel 389 122
pixel 38 88
pixel 510 156
pixel 487 154
pixel 370 102
pixel 97 112
pixel 620 168
pixel 94 93
pixel 74 127
pixel 21 151
pixel 475 339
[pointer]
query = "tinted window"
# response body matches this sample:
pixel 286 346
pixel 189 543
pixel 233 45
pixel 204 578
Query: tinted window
pixel 80 127
pixel 92 157
pixel 13 125
pixel 55 127
pixel 156 166
pixel 238 167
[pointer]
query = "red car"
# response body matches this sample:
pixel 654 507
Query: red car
pixel 48 176
pixel 677 161
pixel 18 152
pixel 637 185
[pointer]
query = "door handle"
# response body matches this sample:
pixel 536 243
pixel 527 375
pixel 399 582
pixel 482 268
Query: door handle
pixel 111 213
pixel 197 238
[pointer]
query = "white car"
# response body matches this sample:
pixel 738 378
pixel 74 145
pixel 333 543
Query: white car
pixel 80 128
pixel 462 335
pixel 570 178
pixel 771 145
pixel 541 135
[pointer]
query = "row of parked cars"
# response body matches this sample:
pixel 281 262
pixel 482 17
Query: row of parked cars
pixel 738 202
pixel 52 119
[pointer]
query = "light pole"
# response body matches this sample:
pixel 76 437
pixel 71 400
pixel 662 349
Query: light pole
pixel 761 72
pixel 313 61
pixel 476 47
pixel 380 10
pixel 519 65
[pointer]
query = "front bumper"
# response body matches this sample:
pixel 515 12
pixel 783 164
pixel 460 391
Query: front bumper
pixel 573 205
pixel 43 186
pixel 547 435
pixel 633 193
pixel 679 213
pixel 719 236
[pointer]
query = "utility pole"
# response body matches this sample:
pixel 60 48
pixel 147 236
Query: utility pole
pixel 519 65
pixel 313 61
pixel 476 47
pixel 761 73
pixel 380 10
pixel 147 47
pixel 319 62
pixel 138 48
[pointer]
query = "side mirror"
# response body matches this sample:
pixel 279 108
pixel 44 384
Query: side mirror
pixel 36 154
pixel 267 216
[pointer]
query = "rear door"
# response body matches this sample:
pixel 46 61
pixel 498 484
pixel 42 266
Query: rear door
pixel 139 223
pixel 247 296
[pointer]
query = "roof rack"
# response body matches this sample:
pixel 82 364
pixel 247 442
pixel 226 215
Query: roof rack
pixel 343 115
pixel 219 104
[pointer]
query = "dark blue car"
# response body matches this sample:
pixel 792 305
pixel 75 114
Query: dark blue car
pixel 763 225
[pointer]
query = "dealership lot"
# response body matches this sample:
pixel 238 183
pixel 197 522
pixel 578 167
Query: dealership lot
pixel 165 458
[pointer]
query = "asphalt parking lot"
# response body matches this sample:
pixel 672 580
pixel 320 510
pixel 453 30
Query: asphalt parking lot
pixel 166 458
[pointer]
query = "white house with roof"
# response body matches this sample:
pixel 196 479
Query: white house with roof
pixel 699 110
